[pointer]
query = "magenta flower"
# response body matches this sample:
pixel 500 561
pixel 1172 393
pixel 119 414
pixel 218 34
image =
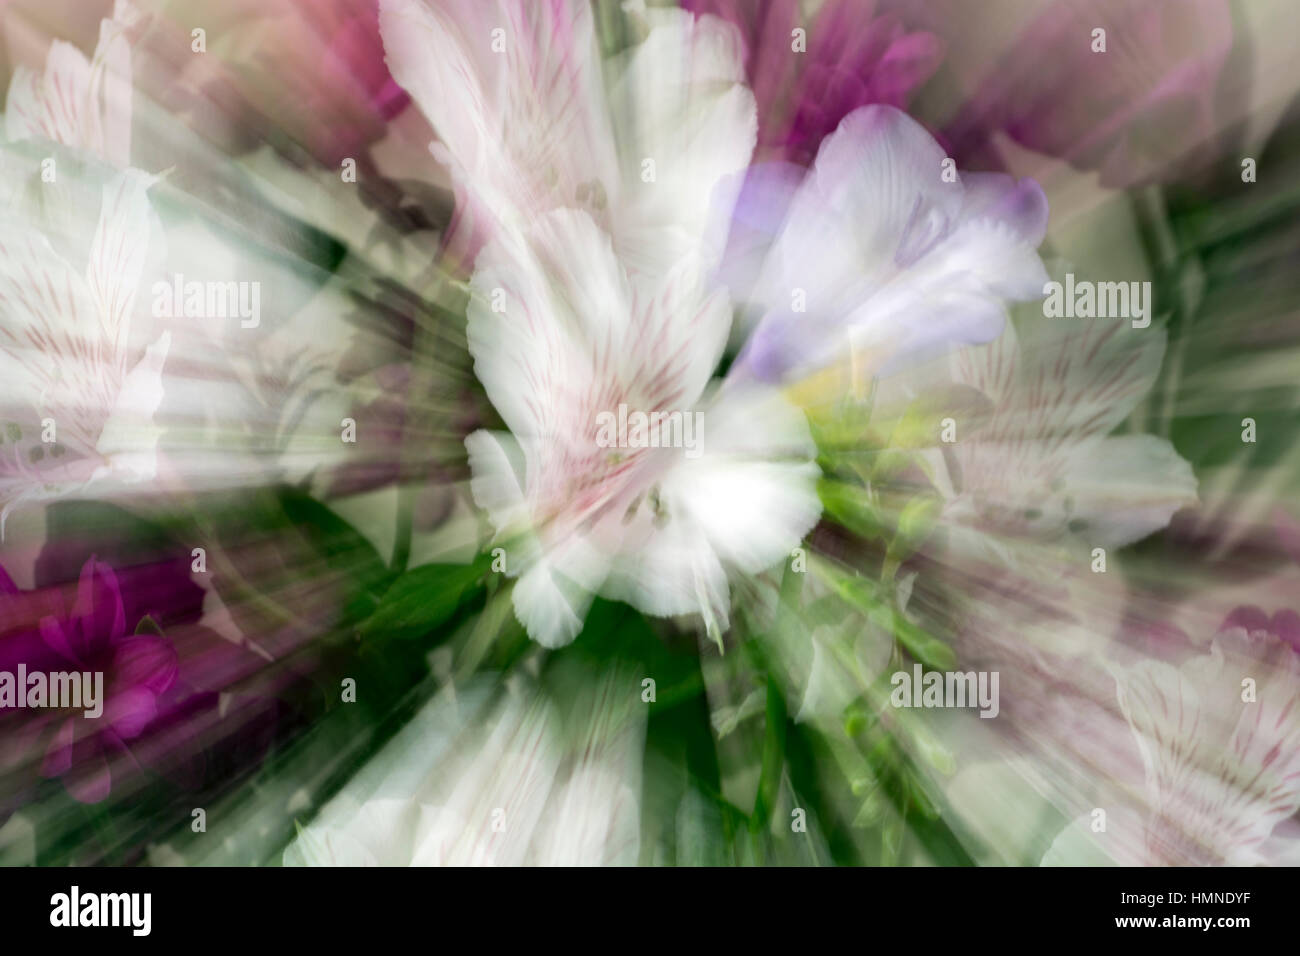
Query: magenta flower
pixel 851 57
pixel 193 707
pixel 137 669
pixel 1283 627
pixel 351 73
pixel 316 65
pixel 1135 112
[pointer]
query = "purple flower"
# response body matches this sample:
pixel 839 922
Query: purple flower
pixel 168 702
pixel 853 58
pixel 92 638
pixel 1134 112
pixel 1283 626
pixel 872 250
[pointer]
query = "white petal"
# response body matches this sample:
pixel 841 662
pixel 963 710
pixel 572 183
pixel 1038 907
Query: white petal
pixel 1127 486
pixel 676 573
pixel 130 437
pixel 500 791
pixel 383 831
pixel 1120 844
pixel 874 191
pixel 681 104
pixel 524 129
pixel 537 357
pixel 111 90
pixel 552 596
pixel 594 817
pixel 597 822
pixel 330 846
pixel 496 463
pixel 56 105
pixel 50 333
pixel 1221 773
pixel 119 251
pixel 753 491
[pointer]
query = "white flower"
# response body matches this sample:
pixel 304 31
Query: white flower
pixel 70 371
pixel 1040 465
pixel 579 336
pixel 80 103
pixel 536 778
pixel 526 124
pixel 878 251
pixel 1222 773
pixel 594 211
pixel 1035 482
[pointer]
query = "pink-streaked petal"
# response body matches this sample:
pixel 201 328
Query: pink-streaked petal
pixel 111 87
pixel 119 251
pixel 524 129
pixel 55 105
pixel 85 104
pixel 1221 772
pixel 50 326
pixel 1056 386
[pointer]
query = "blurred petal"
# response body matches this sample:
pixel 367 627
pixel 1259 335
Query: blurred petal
pixel 147 662
pixel 98 611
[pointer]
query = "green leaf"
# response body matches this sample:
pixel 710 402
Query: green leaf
pixel 149 626
pixel 344 552
pixel 865 595
pixel 769 783
pixel 873 803
pixel 923 646
pixel 889 463
pixel 891 841
pixel 423 598
pixel 920 799
pixel 914 525
pixel 343 547
pixel 850 506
